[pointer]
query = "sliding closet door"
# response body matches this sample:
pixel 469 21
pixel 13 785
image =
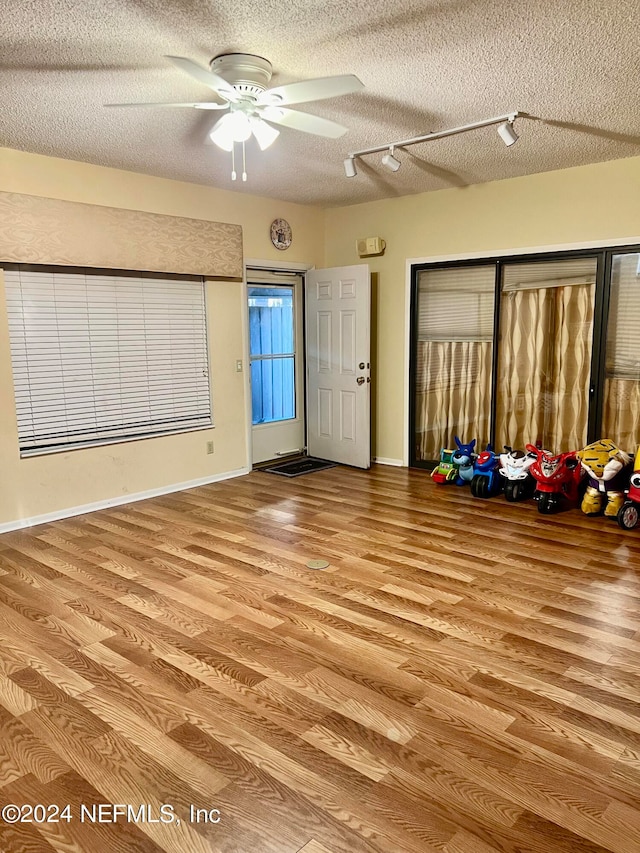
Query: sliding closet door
pixel 544 358
pixel 621 406
pixel 453 354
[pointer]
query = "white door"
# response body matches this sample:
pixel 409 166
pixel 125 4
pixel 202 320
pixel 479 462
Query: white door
pixel 338 310
pixel 275 345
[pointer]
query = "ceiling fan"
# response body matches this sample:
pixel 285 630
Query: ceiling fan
pixel 240 82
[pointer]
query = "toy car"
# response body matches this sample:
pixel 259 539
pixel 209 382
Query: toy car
pixel 629 512
pixel 519 484
pixel 445 471
pixel 486 481
pixel 557 479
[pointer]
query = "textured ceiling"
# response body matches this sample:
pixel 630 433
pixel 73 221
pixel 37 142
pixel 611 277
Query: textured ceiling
pixel 427 65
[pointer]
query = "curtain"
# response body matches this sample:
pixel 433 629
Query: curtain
pixel 544 367
pixel 621 412
pixel 453 394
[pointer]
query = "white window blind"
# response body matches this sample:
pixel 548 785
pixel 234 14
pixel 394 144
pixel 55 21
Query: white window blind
pixel 456 304
pixel 623 331
pixel 100 358
pixel 543 274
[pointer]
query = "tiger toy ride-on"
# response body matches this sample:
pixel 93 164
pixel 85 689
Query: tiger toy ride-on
pixel 608 470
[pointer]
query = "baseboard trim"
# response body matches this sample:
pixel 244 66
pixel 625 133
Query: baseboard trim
pixel 384 460
pixel 21 523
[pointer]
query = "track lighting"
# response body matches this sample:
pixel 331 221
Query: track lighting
pixel 350 167
pixel 390 161
pixel 507 133
pixel 505 129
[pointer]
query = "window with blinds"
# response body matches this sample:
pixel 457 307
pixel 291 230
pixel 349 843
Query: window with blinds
pixel 453 357
pixel 623 332
pixel 101 358
pixel 456 303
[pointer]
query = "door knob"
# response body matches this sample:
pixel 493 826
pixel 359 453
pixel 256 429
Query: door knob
pixel 360 380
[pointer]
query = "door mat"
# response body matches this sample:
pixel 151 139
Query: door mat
pixel 299 467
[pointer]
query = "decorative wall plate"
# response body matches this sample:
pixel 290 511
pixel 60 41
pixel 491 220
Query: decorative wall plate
pixel 281 235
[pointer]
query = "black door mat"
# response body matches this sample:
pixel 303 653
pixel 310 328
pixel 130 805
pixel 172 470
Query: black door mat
pixel 299 467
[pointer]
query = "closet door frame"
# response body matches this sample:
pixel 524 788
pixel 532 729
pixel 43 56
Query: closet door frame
pixel 416 269
pixel 604 258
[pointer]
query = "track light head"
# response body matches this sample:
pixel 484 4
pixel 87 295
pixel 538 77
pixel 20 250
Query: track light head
pixel 507 132
pixel 350 167
pixel 390 161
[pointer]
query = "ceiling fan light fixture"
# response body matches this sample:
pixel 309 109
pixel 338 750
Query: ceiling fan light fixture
pixel 265 134
pixel 350 167
pixel 232 127
pixel 390 161
pixel 507 133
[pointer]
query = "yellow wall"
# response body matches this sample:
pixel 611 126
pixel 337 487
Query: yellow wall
pixel 572 206
pixel 50 484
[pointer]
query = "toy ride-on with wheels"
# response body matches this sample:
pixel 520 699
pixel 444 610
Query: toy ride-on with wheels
pixel 557 479
pixel 629 512
pixel 445 471
pixel 486 482
pixel 607 468
pixel 463 459
pixel 519 484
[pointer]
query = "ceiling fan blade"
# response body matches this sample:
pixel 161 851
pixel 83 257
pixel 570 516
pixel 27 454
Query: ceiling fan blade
pixel 311 90
pixel 305 122
pixel 203 75
pixel 202 105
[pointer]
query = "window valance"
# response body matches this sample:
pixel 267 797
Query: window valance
pixel 51 231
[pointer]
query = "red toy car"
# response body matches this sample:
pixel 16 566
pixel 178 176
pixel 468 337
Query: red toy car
pixel 629 512
pixel 557 479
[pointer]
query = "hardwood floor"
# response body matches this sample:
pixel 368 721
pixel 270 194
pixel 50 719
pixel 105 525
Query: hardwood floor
pixel 463 678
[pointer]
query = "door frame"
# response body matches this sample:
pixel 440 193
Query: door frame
pixel 275 267
pixel 604 247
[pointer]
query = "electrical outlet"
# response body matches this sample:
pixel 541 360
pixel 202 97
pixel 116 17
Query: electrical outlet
pixel 239 365
pixel 209 447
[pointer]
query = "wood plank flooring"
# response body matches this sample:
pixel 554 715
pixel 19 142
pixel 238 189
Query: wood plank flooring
pixel 463 678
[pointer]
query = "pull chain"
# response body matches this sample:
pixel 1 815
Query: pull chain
pixel 244 164
pixel 233 162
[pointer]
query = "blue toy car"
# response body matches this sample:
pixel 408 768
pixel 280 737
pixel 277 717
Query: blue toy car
pixel 486 481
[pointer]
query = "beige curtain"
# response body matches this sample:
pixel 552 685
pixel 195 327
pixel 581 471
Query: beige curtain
pixel 621 412
pixel 453 394
pixel 543 374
